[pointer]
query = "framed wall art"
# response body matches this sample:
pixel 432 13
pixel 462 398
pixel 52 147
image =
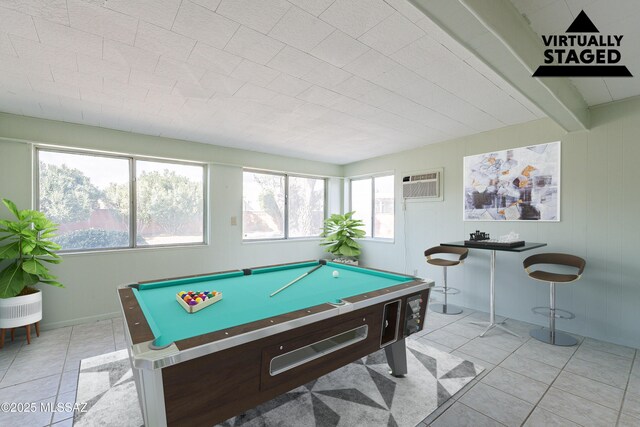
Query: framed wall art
pixel 520 184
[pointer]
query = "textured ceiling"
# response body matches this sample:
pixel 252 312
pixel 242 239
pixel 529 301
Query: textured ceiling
pixel 336 81
pixel 610 17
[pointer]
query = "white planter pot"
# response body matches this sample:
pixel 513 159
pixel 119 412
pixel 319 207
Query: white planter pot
pixel 348 261
pixel 20 311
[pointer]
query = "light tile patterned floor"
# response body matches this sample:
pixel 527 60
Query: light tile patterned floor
pixel 46 371
pixel 526 382
pixel 529 383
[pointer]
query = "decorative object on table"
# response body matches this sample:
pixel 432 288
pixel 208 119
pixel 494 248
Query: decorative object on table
pixel 462 253
pixel 520 184
pixel 24 250
pixel 550 335
pixel 196 301
pixel 361 393
pixel 479 239
pixel 512 236
pixel 478 236
pixel 340 232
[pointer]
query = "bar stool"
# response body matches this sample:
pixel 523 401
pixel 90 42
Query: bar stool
pixel 444 263
pixel 551 336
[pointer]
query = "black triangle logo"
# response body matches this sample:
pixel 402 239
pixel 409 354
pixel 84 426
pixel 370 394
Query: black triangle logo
pixel 582 24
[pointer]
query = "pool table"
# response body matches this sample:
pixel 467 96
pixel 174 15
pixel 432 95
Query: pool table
pixel 250 347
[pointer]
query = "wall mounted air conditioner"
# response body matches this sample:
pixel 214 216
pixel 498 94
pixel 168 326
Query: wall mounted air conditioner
pixel 426 186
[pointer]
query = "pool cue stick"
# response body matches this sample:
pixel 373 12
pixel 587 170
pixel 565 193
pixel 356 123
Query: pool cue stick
pixel 296 279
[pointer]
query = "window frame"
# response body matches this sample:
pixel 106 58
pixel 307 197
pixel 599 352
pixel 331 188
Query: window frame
pixel 373 177
pixel 286 176
pixel 133 214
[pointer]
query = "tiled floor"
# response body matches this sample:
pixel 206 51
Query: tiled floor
pixel 534 384
pixel 46 371
pixel 526 382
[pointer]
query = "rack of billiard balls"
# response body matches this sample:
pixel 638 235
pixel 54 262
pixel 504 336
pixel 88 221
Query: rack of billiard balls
pixel 196 301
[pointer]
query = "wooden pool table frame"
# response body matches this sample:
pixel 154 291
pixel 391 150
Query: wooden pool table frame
pixel 206 379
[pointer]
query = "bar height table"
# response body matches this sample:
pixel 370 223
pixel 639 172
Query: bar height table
pixel 492 285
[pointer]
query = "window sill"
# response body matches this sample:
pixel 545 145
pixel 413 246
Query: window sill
pixel 127 250
pixel 378 240
pixel 297 239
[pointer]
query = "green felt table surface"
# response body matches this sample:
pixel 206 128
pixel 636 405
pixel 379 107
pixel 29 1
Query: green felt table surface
pixel 246 297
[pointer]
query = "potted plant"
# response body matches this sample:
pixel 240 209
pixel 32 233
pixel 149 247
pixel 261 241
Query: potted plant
pixel 24 249
pixel 340 232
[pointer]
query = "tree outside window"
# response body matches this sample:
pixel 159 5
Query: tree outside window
pixel 90 196
pixel 280 206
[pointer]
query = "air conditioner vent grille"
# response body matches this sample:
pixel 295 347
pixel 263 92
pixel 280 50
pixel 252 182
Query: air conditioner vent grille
pixel 421 186
pixel 424 176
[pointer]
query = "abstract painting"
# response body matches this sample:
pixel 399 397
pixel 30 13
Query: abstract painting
pixel 520 184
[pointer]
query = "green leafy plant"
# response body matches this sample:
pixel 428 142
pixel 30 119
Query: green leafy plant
pixel 340 232
pixel 26 247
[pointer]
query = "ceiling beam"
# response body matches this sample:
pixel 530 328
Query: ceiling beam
pixel 496 33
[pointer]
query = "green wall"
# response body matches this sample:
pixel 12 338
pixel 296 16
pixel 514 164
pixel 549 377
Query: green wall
pixel 599 211
pixel 91 279
pixel 599 221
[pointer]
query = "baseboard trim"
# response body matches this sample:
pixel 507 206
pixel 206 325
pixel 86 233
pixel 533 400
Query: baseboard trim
pixel 79 321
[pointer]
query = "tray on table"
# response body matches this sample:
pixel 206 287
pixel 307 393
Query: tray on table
pixel 489 243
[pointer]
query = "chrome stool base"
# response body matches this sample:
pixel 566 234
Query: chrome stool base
pixel 559 313
pixel 559 338
pixel 490 325
pixel 445 290
pixel 445 308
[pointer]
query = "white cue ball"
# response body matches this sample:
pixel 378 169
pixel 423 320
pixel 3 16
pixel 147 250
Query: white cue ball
pixel 335 273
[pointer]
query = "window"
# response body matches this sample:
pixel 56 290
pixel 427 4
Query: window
pixel 383 200
pixel 306 206
pixel 372 199
pixel 99 205
pixel 361 196
pixel 169 203
pixel 281 206
pixel 263 206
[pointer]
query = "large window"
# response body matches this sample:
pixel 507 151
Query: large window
pixel 103 201
pixel 372 199
pixel 281 206
pixel 263 197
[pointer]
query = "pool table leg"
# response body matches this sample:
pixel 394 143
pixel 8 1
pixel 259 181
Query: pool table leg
pixel 397 358
pixel 151 395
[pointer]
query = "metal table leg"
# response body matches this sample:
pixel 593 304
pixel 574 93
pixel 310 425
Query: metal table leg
pixel 492 303
pixel 397 358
